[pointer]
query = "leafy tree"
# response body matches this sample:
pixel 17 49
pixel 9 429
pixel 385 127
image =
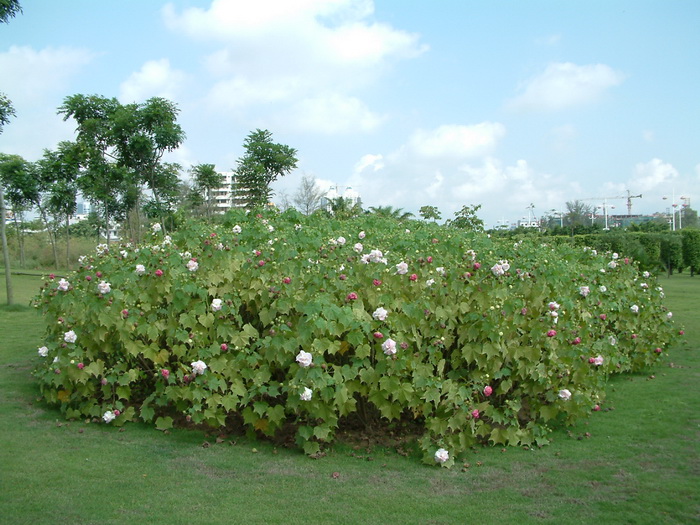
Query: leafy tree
pixel 672 252
pixel 7 110
pixel 309 197
pixel 689 218
pixel 260 166
pixel 691 249
pixel 390 212
pixel 9 9
pixel 466 219
pixel 343 208
pixel 206 180
pixel 430 212
pixel 22 192
pixel 577 213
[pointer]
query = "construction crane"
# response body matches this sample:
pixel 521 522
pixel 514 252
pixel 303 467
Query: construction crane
pixel 629 201
pixel 629 198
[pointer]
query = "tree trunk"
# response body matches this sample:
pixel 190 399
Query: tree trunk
pixel 51 234
pixel 20 240
pixel 5 250
pixel 67 242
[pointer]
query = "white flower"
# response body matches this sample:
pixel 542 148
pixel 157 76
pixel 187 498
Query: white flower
pixel 82 259
pixel 70 337
pixel 101 249
pixel 43 351
pixel 140 269
pixel 216 304
pixel 505 265
pixel 402 268
pixel 358 247
pixel 612 264
pixel 297 227
pixel 430 282
pixel 634 309
pixel 304 359
pixel 198 367
pixel 497 270
pixel 341 240
pixel 380 314
pixel 270 228
pixel 236 229
pixel 553 305
pixel 564 394
pixel 612 340
pixel 332 242
pixel 109 416
pixel 441 455
pixel 124 254
pixel 63 285
pixel 306 394
pixel 598 360
pixel 646 275
pixel 669 315
pixel 365 259
pixel 602 270
pixel 192 265
pixel 408 231
pixel 104 287
pixel 644 285
pixel 440 270
pixel 389 347
pixel 376 256
pixel 167 240
pixel 603 289
pixel 361 235
pixel 615 256
pixel 584 290
pixel 156 227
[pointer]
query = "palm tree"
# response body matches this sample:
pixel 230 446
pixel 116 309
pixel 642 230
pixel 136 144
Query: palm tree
pixel 390 212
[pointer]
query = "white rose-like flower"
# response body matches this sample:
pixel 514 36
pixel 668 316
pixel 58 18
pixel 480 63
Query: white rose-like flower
pixel 361 235
pixel 109 416
pixel 341 240
pixel 441 455
pixel 43 351
pixel 430 282
pixel 375 256
pixel 358 247
pixel 304 359
pixel 236 229
pixel 307 394
pixel 615 256
pixel 140 269
pixel 612 340
pixel 402 268
pixel 192 265
pixel 440 270
pixel 634 309
pixel 380 314
pixel 389 347
pixel 603 289
pixel 598 360
pixel 584 290
pixel 156 227
pixel 669 315
pixel 646 275
pixel 70 337
pixel 198 367
pixel 270 228
pixel 63 285
pixel 216 304
pixel 612 264
pixel 104 287
pixel 565 394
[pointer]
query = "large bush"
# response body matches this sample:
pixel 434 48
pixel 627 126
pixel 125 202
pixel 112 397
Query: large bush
pixel 306 323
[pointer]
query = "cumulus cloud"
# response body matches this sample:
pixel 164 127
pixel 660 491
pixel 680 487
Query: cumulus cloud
pixel 456 141
pixel 29 75
pixel 304 57
pixel 650 175
pixel 562 85
pixel 155 79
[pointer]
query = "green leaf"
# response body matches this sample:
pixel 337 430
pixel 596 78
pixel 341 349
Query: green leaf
pixel 164 423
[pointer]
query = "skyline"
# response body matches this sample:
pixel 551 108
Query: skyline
pixel 449 104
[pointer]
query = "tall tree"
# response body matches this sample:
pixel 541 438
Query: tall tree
pixel 6 112
pixel 206 180
pixel 344 208
pixel 577 213
pixel 466 219
pixel 309 197
pixel 262 163
pixel 21 191
pixel 9 9
pixel 430 212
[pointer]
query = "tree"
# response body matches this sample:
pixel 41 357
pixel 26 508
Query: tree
pixel 206 180
pixel 262 163
pixel 390 212
pixel 466 219
pixel 691 249
pixel 21 190
pixel 7 110
pixel 430 212
pixel 9 9
pixel 343 208
pixel 577 212
pixel 309 197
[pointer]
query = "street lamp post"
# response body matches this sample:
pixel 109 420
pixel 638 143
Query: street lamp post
pixel 605 207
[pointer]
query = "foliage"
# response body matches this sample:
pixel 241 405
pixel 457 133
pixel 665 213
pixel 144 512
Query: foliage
pixel 343 208
pixel 206 180
pixel 7 110
pixel 309 197
pixel 9 9
pixel 430 212
pixel 466 219
pixel 274 320
pixel 390 212
pixel 671 252
pixel 577 213
pixel 262 163
pixel 691 249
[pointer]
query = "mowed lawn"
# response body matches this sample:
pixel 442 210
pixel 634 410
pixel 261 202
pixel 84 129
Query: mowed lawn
pixel 637 461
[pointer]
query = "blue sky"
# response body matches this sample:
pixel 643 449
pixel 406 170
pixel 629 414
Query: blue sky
pixel 445 103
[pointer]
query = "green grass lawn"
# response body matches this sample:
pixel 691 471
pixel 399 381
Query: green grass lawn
pixel 635 462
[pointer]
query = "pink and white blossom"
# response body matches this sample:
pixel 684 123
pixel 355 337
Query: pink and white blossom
pixel 358 247
pixel 192 265
pixel 361 235
pixel 104 287
pixel 70 337
pixel 43 351
pixel 307 394
pixel 304 359
pixel 63 285
pixel 584 290
pixel 216 304
pixel 140 269
pixel 564 394
pixel 380 314
pixel 402 268
pixel 441 455
pixel 389 347
pixel 199 367
pixel 634 309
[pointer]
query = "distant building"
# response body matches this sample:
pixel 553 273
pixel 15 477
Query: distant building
pixel 227 196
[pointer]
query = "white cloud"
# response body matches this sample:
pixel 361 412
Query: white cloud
pixel 563 85
pixel 653 174
pixel 155 79
pixel 29 75
pixel 299 58
pixel 456 141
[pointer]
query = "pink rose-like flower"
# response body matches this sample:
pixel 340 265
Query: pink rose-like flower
pixel 475 413
pixel 352 296
pixel 576 341
pixel 488 390
pixel 261 263
pixel 551 333
pixel 376 282
pixel 125 313
pixel 429 258
pixel 476 265
pixel 378 335
pixel 88 278
pixel 52 276
pixel 81 366
pixel 681 332
pixel 165 373
pixel 658 350
pixel 598 360
pixel 389 347
pixel 224 347
pixel 287 280
pixel 342 277
pixel 117 412
pixel 603 317
pixel 99 274
pixel 553 306
pixel 596 408
pixel 523 311
pixel 159 273
pixel 413 277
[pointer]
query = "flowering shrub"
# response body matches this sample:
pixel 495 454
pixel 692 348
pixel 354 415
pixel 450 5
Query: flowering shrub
pixel 490 342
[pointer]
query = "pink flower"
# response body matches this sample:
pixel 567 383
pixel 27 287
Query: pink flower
pixel 429 259
pixel 596 408
pixel 165 373
pixel 224 347
pixel 378 335
pixel 576 341
pixel 413 277
pixel 476 265
pixel 551 333
pixel 603 317
pixel 488 390
pixel 159 272
pixel 99 274
pixel 81 366
pixel 591 360
pixel 681 332
pixel 475 413
pixel 125 312
pixel 52 276
pixel 287 280
pixel 342 277
pixel 88 278
pixel 117 412
pixel 376 282
pixel 352 296
pixel 523 311
pixel 658 350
